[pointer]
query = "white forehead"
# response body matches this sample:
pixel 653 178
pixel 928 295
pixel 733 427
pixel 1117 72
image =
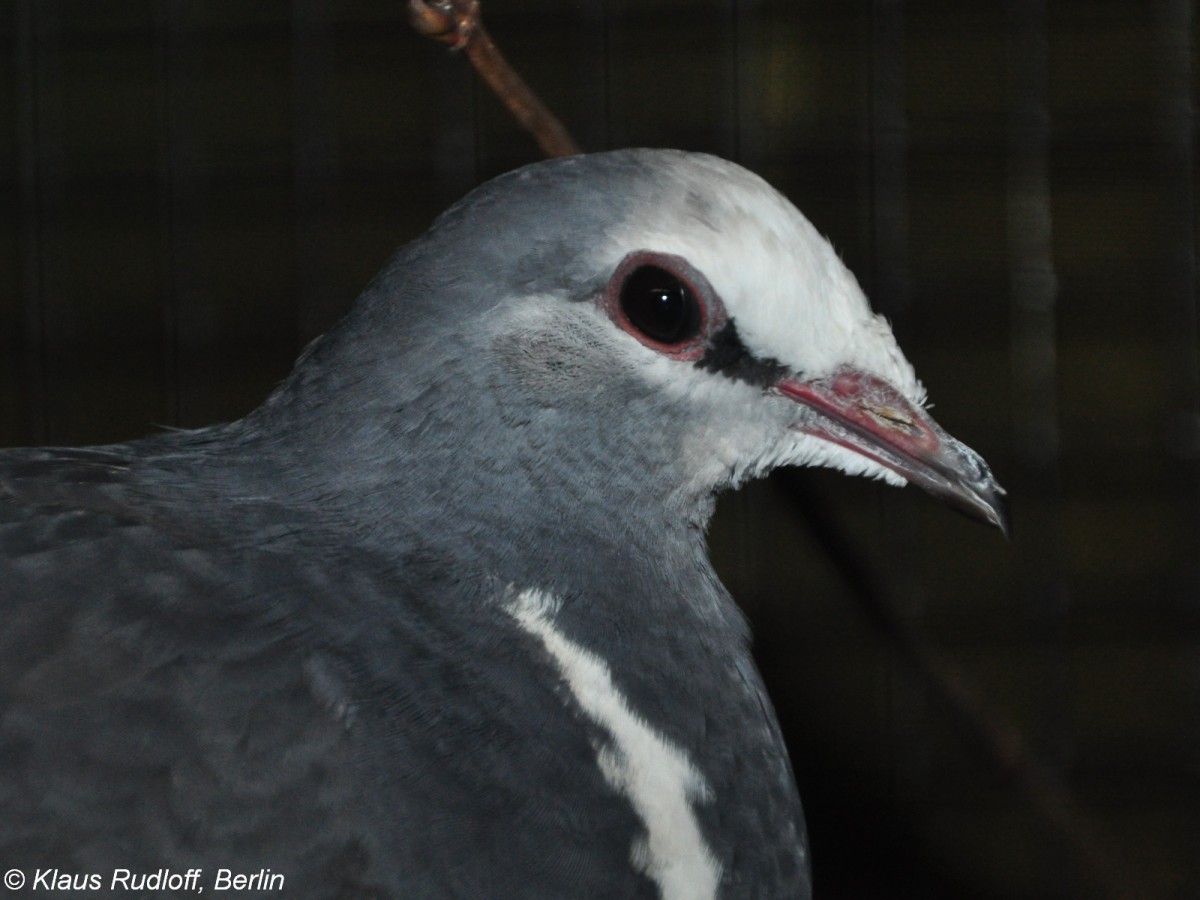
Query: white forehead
pixel 792 298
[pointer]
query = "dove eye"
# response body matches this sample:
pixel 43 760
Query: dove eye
pixel 663 302
pixel 660 305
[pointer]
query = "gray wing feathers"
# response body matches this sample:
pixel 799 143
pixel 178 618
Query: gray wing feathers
pixel 149 717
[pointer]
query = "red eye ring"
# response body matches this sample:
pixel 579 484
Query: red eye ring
pixel 664 302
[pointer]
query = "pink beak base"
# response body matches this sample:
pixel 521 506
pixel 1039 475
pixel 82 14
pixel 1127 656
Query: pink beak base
pixel 866 414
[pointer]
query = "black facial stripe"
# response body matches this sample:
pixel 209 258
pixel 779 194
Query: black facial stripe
pixel 727 355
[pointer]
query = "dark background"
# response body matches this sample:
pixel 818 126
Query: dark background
pixel 189 191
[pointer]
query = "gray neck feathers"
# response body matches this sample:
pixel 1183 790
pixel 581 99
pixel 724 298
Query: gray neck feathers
pixel 430 431
pixel 413 419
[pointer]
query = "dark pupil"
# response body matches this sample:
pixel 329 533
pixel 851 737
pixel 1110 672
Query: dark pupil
pixel 659 305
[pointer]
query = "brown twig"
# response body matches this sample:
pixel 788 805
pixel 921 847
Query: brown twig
pixel 458 24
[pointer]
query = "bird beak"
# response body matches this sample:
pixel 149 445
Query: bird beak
pixel 868 415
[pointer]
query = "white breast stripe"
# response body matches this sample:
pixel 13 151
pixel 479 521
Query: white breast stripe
pixel 657 777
